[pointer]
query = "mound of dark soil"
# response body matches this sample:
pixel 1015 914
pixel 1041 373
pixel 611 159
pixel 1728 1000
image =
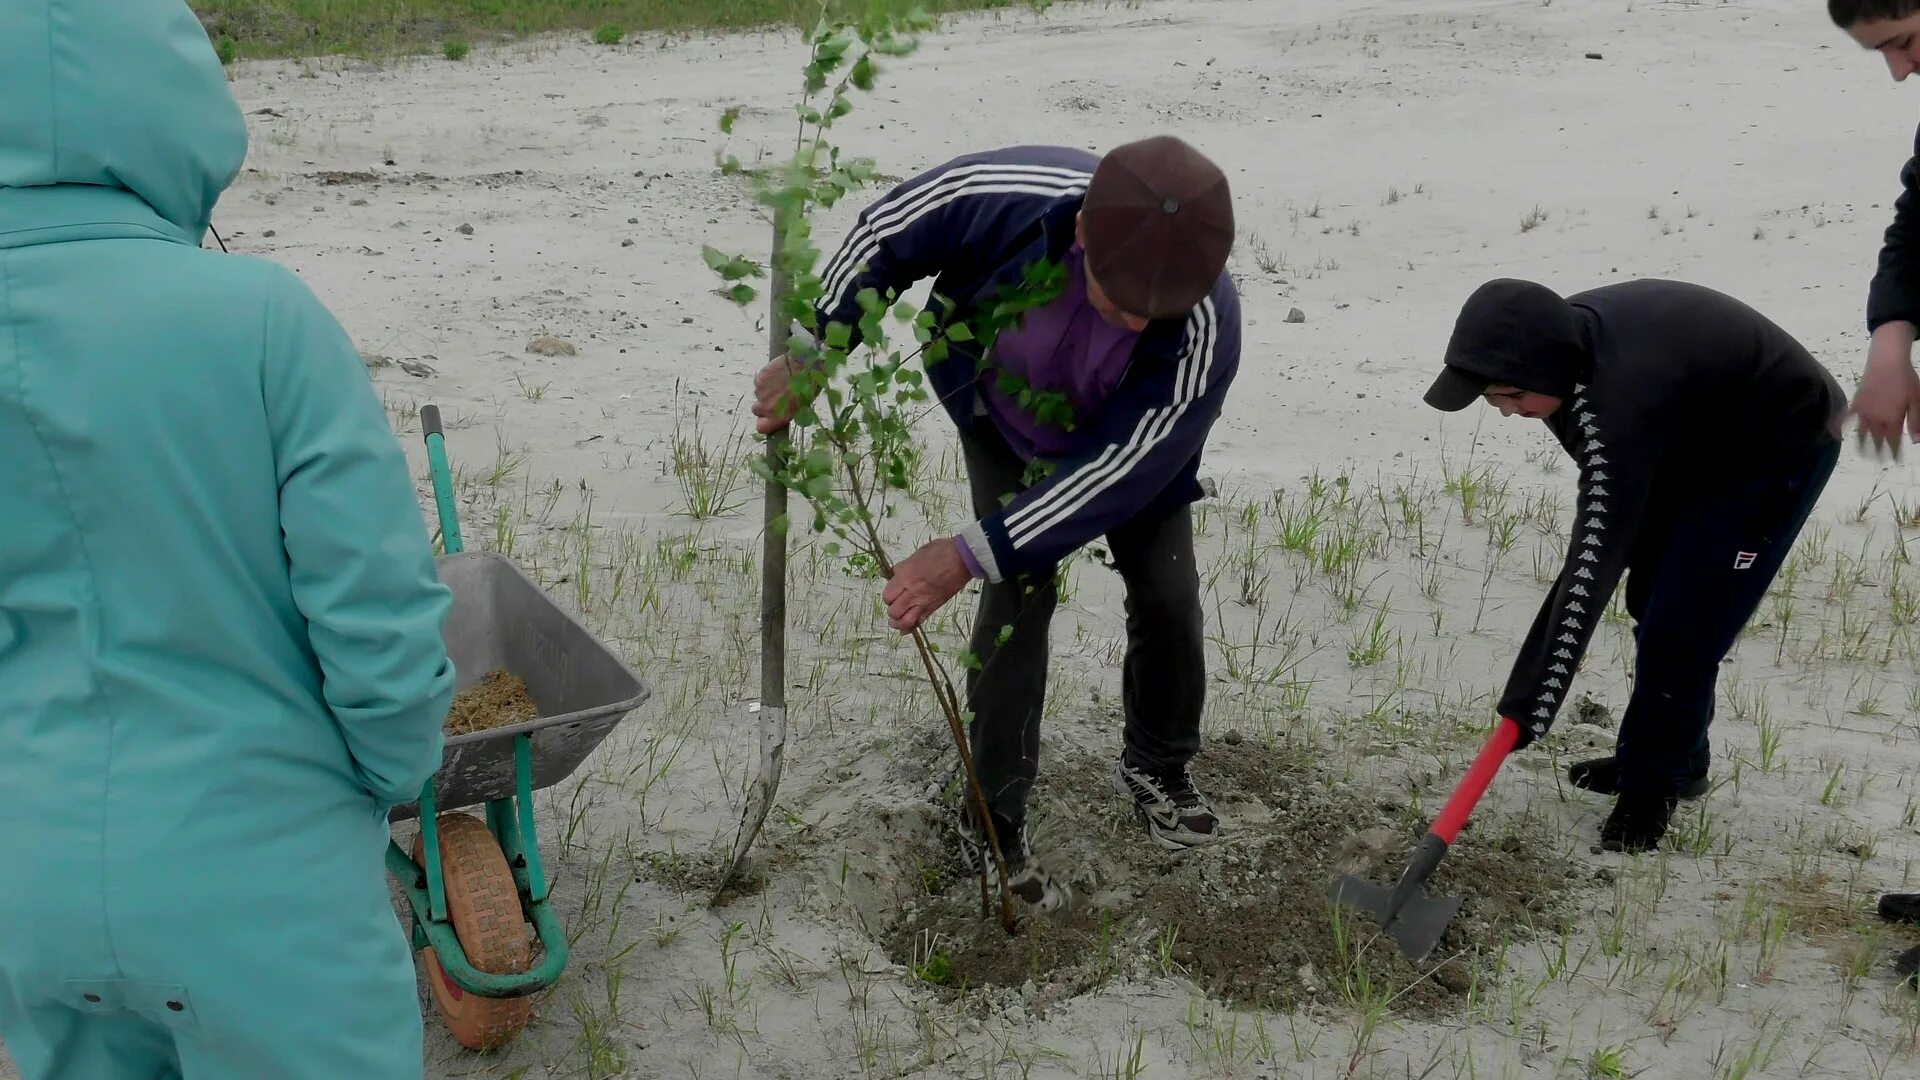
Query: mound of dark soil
pixel 1247 919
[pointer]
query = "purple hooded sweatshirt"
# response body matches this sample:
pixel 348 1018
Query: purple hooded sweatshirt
pixel 1064 347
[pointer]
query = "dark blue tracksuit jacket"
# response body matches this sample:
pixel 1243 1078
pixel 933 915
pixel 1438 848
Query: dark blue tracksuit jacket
pixel 974 224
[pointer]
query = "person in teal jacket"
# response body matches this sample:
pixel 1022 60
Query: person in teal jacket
pixel 221 659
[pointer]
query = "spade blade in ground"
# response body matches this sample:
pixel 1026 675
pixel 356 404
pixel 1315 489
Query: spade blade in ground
pixel 1422 920
pixel 1422 923
pixel 1361 895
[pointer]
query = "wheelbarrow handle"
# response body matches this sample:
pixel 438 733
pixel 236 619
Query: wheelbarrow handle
pixel 1453 816
pixel 442 475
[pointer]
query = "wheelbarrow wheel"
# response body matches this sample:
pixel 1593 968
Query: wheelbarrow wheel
pixel 484 906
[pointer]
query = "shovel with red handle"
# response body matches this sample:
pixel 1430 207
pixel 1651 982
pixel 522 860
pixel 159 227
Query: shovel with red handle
pixel 1414 919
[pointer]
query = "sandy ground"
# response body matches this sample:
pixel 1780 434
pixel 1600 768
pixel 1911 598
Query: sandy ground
pixel 1383 157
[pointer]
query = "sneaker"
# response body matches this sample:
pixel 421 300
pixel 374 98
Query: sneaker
pixel 1027 876
pixel 1900 907
pixel 1907 966
pixel 1603 775
pixel 1177 815
pixel 1638 823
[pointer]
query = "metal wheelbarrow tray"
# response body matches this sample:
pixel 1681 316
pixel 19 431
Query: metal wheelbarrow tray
pixel 502 620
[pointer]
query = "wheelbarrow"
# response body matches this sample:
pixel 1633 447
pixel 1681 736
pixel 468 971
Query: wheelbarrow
pixel 474 886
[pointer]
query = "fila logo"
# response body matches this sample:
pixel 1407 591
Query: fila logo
pixel 1744 559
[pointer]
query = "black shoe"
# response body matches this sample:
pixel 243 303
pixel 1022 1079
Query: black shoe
pixel 1907 966
pixel 1178 817
pixel 1638 822
pixel 1603 775
pixel 1027 876
pixel 1900 907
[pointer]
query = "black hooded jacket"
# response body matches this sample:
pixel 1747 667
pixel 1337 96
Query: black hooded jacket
pixel 1894 293
pixel 1675 390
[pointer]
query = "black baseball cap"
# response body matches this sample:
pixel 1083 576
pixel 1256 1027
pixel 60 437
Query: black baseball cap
pixel 1514 332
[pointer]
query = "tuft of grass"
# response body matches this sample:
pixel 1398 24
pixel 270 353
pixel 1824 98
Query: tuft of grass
pixel 609 34
pixel 454 49
pixel 1532 219
pixel 378 29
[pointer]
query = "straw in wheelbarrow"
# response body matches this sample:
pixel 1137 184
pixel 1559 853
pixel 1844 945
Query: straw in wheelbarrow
pixel 1415 920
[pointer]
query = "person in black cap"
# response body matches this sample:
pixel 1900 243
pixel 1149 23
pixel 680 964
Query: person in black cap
pixel 1083 420
pixel 1704 434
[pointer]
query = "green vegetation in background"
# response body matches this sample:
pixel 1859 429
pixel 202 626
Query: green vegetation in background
pixel 268 29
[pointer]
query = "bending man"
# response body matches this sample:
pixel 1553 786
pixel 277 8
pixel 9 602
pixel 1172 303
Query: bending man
pixel 1704 435
pixel 1134 355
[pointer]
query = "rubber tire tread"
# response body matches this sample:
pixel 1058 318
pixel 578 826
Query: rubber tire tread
pixel 483 904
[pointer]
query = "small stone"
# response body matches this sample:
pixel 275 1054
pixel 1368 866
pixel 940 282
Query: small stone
pixel 633 221
pixel 552 346
pixel 465 230
pixel 1296 316
pixel 1231 738
pixel 416 369
pixel 626 243
pixel 1594 56
pixel 270 234
pixel 358 202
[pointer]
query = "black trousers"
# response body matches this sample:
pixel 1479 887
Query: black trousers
pixel 1701 566
pixel 1163 679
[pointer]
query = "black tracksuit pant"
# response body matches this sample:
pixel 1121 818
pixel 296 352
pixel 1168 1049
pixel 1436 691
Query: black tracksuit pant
pixel 1700 567
pixel 1163 676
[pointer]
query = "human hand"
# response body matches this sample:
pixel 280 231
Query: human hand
pixel 922 583
pixel 1888 398
pixel 774 401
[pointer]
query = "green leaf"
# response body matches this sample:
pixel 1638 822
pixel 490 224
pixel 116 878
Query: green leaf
pixel 862 74
pixel 742 294
pixel 960 332
pixel 730 267
pixel 727 118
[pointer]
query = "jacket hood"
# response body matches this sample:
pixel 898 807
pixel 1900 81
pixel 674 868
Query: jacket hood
pixel 1516 333
pixel 118 94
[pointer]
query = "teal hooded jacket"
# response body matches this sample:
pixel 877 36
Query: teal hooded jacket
pixel 221 658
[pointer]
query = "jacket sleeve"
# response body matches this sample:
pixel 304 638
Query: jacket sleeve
pixel 359 558
pixel 1149 431
pixel 964 209
pixel 1617 468
pixel 1894 293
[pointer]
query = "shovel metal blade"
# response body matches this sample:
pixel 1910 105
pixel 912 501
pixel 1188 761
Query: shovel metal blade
pixel 1419 924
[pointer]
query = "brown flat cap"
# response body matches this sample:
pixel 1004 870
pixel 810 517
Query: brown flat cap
pixel 1158 224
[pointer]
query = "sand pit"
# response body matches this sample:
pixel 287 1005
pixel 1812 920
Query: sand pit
pixel 1368 565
